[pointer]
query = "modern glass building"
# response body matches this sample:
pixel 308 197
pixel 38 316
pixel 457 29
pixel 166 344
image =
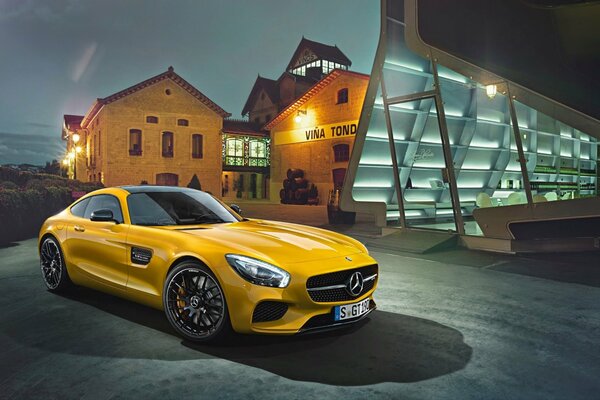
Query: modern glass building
pixel 445 144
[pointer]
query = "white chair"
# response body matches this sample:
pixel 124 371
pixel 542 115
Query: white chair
pixel 483 200
pixel 567 196
pixel 515 198
pixel 551 196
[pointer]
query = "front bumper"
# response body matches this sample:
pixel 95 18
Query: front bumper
pixel 302 314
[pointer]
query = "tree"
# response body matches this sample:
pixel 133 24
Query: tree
pixel 53 167
pixel 195 183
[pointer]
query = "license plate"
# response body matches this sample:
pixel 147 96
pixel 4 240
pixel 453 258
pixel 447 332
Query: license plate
pixel 351 310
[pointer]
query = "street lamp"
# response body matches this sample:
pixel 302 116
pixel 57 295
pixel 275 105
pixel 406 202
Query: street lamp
pixel 76 138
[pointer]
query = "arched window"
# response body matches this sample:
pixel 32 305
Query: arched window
pixel 167 144
pixel 257 150
pixel 135 142
pixel 342 96
pixel 183 122
pixel 234 151
pixel 197 146
pixel 151 119
pixel 341 152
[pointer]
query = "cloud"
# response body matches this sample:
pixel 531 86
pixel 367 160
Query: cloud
pixel 18 148
pixel 46 10
pixel 83 62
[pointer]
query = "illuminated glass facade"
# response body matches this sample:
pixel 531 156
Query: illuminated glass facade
pixel 434 145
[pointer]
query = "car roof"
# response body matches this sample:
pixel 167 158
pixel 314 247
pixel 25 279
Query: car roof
pixel 153 188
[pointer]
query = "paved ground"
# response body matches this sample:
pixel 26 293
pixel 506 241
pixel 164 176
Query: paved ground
pixel 456 325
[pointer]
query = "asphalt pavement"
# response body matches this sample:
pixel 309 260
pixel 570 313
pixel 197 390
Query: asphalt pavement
pixel 455 325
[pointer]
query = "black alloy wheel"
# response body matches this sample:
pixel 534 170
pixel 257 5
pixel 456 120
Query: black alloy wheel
pixel 194 303
pixel 52 263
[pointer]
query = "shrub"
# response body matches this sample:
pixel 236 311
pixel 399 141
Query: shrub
pixel 27 199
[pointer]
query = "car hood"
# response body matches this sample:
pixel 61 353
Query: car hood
pixel 280 242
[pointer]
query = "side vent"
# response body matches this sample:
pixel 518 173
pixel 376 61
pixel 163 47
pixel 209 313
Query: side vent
pixel 140 256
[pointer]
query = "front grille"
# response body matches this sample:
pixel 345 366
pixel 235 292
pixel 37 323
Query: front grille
pixel 269 311
pixel 339 278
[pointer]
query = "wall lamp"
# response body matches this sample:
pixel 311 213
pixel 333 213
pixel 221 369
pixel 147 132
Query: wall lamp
pixel 491 91
pixel 298 117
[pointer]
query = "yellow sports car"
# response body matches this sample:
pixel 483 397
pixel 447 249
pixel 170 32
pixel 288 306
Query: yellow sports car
pixel 185 252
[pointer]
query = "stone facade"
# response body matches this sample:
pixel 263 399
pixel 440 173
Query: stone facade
pixel 107 140
pixel 316 155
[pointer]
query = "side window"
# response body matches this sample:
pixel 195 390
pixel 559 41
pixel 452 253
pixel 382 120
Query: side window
pixel 78 209
pixel 342 96
pixel 104 201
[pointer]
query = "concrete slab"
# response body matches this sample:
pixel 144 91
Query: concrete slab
pixel 449 325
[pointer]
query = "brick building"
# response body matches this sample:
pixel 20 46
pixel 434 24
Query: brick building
pixel 160 131
pixel 316 132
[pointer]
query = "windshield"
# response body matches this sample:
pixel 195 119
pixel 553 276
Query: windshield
pixel 176 208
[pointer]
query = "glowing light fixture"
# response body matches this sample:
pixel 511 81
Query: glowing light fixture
pixel 298 117
pixel 76 138
pixel 491 91
pixel 71 155
pixel 78 149
pixel 65 162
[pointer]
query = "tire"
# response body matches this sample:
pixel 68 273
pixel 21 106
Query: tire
pixel 53 265
pixel 195 304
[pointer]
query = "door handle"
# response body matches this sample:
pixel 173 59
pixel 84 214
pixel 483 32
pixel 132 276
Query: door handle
pixel 79 228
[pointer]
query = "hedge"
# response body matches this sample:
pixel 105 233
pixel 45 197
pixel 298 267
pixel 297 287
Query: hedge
pixel 27 199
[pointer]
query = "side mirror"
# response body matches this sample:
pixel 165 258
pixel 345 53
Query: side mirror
pixel 103 215
pixel 236 208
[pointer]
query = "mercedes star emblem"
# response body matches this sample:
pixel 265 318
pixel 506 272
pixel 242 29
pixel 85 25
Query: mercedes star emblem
pixel 355 284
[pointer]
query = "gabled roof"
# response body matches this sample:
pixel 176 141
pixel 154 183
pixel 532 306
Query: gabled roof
pixel 72 121
pixel 270 87
pixel 242 126
pixel 319 86
pixel 169 74
pixel 322 51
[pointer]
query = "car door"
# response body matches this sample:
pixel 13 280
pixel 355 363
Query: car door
pixel 97 249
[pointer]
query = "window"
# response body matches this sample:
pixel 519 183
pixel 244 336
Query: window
pixel 150 119
pixel 234 152
pixel 176 208
pixel 342 96
pixel 183 122
pixel 167 144
pixel 341 152
pixel 197 146
pixel 104 202
pixel 135 142
pixel 79 208
pixel 257 150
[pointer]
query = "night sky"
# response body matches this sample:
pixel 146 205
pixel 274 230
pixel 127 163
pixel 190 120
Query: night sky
pixel 58 56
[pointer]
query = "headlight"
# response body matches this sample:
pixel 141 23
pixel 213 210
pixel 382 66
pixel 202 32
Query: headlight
pixel 258 272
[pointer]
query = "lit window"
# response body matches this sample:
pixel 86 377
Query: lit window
pixel 342 96
pixel 151 119
pixel 135 142
pixel 257 149
pixel 234 152
pixel 167 144
pixel 183 122
pixel 341 152
pixel 197 145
